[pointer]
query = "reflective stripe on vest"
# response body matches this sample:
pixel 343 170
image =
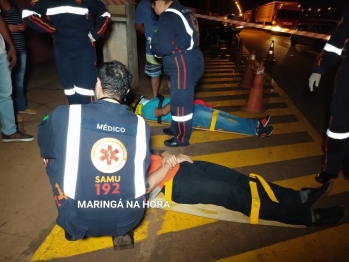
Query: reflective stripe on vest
pixel 182 118
pixel 141 149
pixel 73 150
pixel 337 135
pixel 333 49
pixel 186 25
pixel 26 13
pixel 105 14
pixel 67 9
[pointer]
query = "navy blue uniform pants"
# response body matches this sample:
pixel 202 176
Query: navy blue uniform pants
pixel 336 151
pixel 77 73
pixel 208 183
pixel 184 70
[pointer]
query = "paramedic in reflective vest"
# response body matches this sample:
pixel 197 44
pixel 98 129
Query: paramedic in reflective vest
pixel 74 30
pixel 97 156
pixel 200 182
pixel 336 151
pixel 176 40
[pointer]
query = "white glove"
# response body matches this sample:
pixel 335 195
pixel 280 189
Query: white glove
pixel 314 78
pixel 91 37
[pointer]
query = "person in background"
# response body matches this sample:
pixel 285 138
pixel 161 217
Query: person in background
pixel 13 18
pixel 176 40
pixel 336 151
pixel 9 132
pixel 74 30
pixel 146 23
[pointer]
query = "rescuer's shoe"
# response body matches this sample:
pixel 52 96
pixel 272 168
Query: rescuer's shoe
pixel 315 194
pixel 167 131
pixel 264 121
pixel 323 177
pixel 17 136
pixel 264 131
pixel 173 143
pixel 329 216
pixel 69 237
pixel 123 242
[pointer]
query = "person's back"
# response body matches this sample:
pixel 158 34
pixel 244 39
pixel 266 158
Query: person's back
pixel 68 21
pixel 97 156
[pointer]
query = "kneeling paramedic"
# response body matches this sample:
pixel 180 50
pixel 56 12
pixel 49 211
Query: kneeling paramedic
pixel 96 157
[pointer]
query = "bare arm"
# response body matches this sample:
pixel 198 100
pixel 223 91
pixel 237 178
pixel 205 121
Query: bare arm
pixel 11 52
pixel 162 111
pixel 168 162
pixel 140 27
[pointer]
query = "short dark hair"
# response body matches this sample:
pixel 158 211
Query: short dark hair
pixel 115 79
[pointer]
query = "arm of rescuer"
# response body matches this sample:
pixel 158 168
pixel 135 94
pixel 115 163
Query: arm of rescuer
pixel 332 51
pixel 11 52
pixel 169 161
pixel 32 16
pixel 162 111
pixel 102 17
pixel 139 17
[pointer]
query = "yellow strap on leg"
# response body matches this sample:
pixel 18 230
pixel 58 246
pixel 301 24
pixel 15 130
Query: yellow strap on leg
pixel 168 193
pixel 266 187
pixel 214 119
pixel 256 202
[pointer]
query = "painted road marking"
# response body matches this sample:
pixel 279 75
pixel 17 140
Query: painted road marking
pixel 299 249
pixel 55 245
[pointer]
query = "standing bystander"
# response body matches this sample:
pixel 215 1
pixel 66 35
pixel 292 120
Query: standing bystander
pixel 9 132
pixel 13 18
pixel 146 23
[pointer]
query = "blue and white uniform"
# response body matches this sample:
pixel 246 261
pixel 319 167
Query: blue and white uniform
pixel 96 156
pixel 336 151
pixel 74 31
pixel 176 40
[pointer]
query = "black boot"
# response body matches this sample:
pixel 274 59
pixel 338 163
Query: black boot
pixel 69 237
pixel 316 193
pixel 323 177
pixel 167 131
pixel 330 216
pixel 123 242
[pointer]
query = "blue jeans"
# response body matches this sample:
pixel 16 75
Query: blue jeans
pixel 202 118
pixel 7 115
pixel 18 73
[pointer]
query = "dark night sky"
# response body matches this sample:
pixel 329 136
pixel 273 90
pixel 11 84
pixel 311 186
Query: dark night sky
pixel 339 6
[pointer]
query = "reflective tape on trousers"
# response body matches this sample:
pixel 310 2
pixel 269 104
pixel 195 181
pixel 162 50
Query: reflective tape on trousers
pixel 337 135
